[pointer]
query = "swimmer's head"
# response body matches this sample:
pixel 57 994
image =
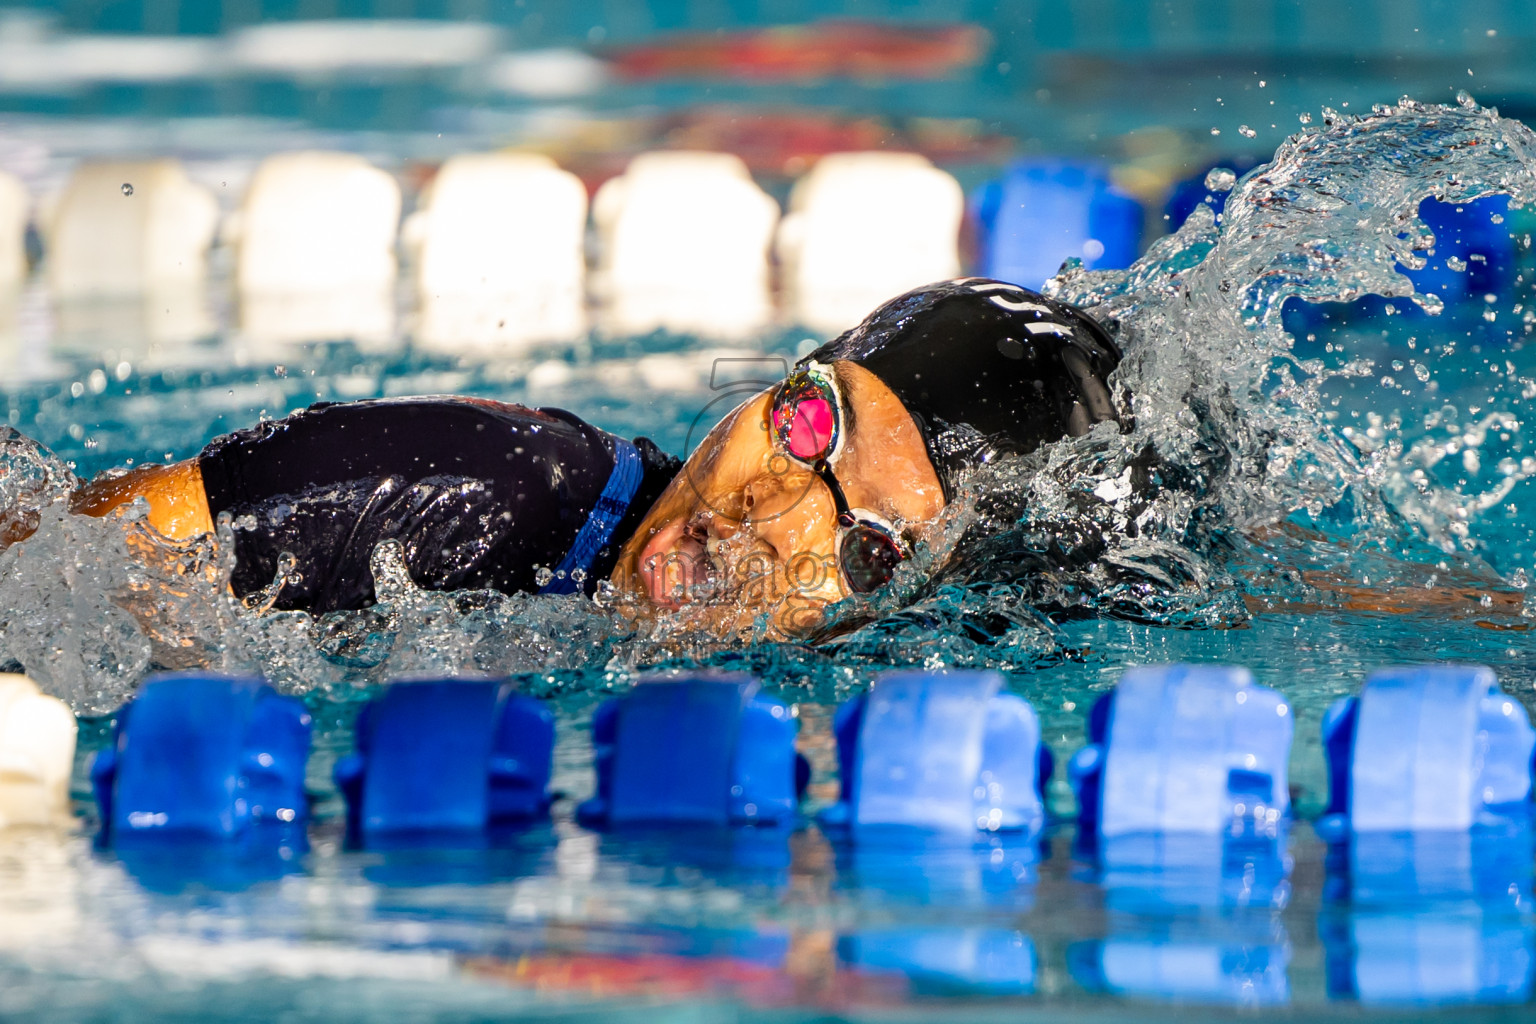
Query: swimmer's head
pixel 813 489
pixel 985 368
pixel 752 523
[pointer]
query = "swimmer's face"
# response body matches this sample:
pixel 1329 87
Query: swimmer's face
pixel 745 530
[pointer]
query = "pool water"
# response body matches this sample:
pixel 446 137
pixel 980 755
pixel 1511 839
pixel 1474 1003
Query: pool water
pixel 1300 461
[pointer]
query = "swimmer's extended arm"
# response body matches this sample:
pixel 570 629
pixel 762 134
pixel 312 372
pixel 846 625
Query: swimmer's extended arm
pixel 178 505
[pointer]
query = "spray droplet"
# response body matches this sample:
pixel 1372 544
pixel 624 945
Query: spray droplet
pixel 1465 99
pixel 127 189
pixel 1215 131
pixel 1220 179
pixel 1245 131
pixel 1304 117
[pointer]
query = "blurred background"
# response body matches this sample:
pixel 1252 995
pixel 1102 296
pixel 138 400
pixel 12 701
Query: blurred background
pixel 456 184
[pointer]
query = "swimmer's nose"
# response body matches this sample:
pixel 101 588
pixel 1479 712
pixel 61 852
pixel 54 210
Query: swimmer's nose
pixel 671 564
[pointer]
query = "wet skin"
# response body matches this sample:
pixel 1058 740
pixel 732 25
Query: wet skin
pixel 755 529
pixel 743 530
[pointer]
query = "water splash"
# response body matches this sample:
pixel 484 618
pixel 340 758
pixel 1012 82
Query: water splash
pixel 1233 485
pixel 1230 422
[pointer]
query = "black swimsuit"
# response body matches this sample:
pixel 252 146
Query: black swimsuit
pixel 481 494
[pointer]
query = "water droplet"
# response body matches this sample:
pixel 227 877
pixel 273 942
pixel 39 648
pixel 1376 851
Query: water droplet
pixel 1246 132
pixel 1304 117
pixel 544 576
pixel 1220 179
pixel 1262 83
pixel 1497 218
pixel 1456 263
pixel 1215 131
pixel 127 189
pixel 1465 99
pixel 1421 371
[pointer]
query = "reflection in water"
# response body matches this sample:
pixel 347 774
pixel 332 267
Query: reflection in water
pixel 915 868
pixel 1192 917
pixel 39 891
pixel 947 961
pixel 158 325
pixel 758 917
pixel 1431 918
pixel 10 328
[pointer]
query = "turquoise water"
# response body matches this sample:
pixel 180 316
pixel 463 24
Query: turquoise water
pixel 1250 421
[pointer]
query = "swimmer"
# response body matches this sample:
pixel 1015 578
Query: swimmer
pixel 814 489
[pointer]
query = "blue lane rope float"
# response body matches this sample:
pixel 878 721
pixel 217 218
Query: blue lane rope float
pixel 1191 749
pixel 1043 211
pixel 946 960
pixel 438 756
pixel 196 757
pixel 596 532
pixel 941 751
pixel 1427 747
pixel 695 750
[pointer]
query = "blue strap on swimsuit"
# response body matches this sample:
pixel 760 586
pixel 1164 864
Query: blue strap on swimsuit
pixel 605 515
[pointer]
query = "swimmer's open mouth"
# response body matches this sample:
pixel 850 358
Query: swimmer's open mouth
pixel 676 567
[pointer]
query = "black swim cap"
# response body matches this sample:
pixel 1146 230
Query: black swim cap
pixel 985 368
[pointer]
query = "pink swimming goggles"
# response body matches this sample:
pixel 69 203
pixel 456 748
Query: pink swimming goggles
pixel 806 414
